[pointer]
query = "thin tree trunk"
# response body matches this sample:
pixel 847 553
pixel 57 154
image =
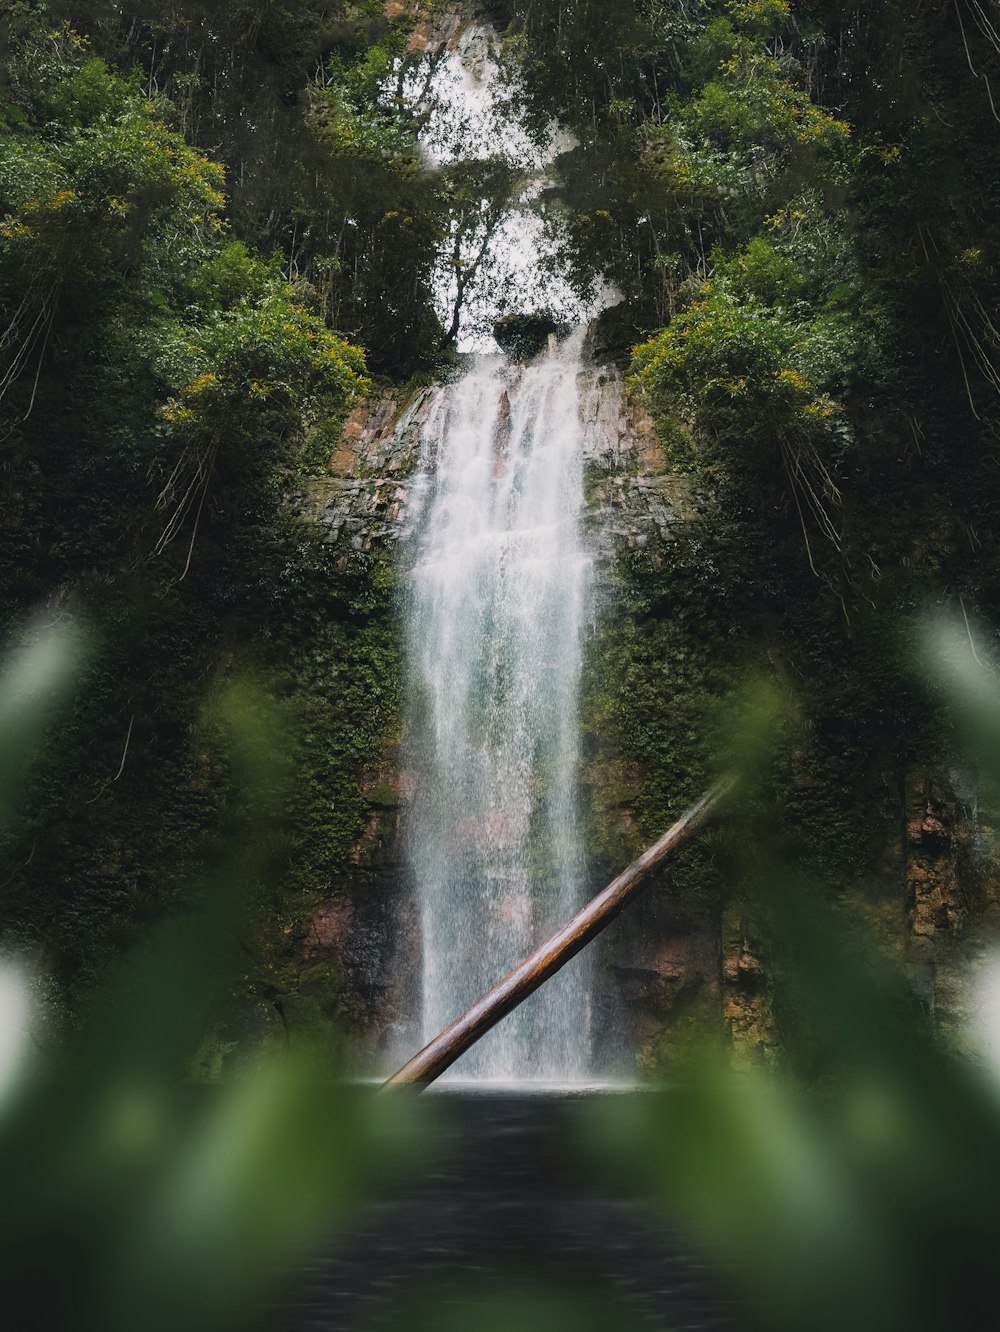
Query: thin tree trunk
pixel 557 950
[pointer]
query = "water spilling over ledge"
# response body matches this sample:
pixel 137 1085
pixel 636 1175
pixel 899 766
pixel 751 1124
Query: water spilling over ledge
pixel 497 598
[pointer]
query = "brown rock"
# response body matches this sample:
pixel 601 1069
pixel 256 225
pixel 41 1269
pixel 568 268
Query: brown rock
pixel 328 932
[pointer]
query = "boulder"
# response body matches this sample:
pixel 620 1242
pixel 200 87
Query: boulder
pixel 523 336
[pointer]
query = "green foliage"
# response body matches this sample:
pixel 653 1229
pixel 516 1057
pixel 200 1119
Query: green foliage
pixel 233 275
pixel 254 374
pixel 352 131
pixel 880 1220
pixel 297 103
pixel 111 190
pixel 658 661
pixel 751 368
pixel 159 382
pixel 798 205
pixel 170 1208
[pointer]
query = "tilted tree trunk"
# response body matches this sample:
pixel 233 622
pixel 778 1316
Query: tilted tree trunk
pixel 557 950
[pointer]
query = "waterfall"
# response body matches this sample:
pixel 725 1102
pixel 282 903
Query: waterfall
pixel 497 598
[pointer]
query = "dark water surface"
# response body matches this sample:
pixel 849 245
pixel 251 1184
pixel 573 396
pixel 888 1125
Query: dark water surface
pixel 507 1224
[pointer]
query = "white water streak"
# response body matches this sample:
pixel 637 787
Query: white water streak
pixel 498 598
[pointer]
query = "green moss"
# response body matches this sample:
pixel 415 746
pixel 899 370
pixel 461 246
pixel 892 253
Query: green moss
pixel 383 796
pixel 314 457
pixel 654 669
pixel 335 655
pixel 595 482
pixel 679 448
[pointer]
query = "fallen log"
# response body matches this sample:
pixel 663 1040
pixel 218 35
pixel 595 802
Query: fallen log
pixel 440 1053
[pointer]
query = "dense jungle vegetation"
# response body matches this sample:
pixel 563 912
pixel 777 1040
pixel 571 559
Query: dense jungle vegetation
pixel 216 228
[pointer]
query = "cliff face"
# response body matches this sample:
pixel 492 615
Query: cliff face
pixel 684 958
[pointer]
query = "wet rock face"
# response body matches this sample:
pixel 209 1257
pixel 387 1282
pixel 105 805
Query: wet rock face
pixel 328 932
pixel 746 1009
pixel 950 889
pixel 363 943
pixel 659 971
pixel 435 32
pixel 636 511
pixel 360 512
pixel 936 827
pixel 360 950
pixel 366 497
pixel 432 27
pixel 664 973
pixel 613 334
pixel 371 494
pixel 940 854
pixel 659 983
pixel 633 501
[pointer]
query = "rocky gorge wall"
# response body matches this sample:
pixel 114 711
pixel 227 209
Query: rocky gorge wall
pixel 685 957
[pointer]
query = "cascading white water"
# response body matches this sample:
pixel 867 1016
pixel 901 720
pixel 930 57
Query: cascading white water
pixel 497 600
